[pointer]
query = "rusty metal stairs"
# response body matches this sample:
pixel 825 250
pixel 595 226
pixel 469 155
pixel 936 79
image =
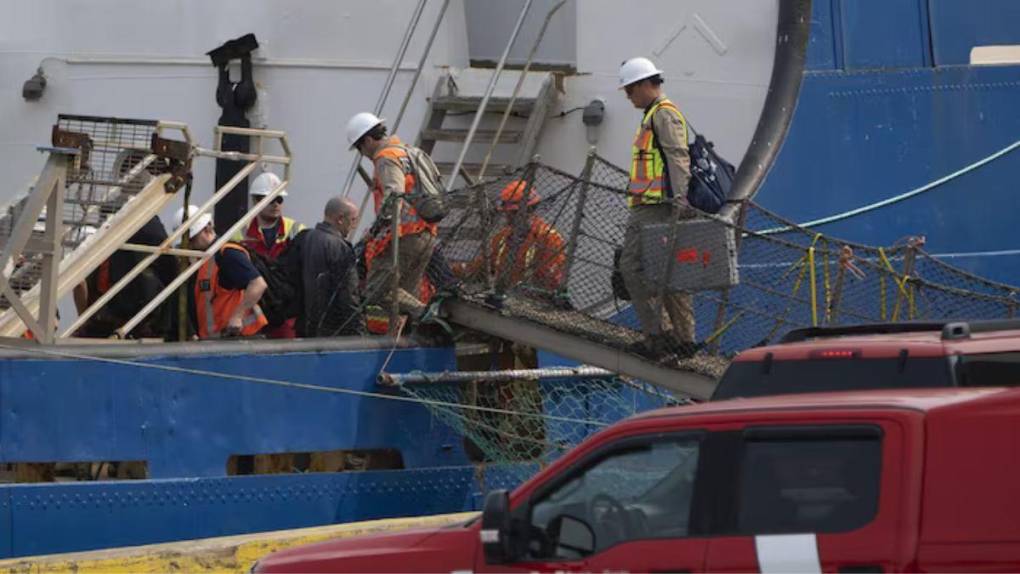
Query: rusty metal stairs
pixel 457 97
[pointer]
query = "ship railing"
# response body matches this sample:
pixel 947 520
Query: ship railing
pixel 108 177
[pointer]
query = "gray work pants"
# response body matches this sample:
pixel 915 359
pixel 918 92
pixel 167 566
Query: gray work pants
pixel 679 307
pixel 414 252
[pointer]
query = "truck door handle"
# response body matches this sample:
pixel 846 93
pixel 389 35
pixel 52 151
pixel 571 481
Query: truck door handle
pixel 861 569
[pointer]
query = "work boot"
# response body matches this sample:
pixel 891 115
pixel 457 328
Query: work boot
pixel 679 346
pixel 653 347
pixel 684 349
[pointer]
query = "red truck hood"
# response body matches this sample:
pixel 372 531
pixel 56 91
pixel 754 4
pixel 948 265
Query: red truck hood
pixel 441 549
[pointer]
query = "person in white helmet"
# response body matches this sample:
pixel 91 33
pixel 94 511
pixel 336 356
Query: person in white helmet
pixel 270 234
pixel 227 287
pixel 393 179
pixel 659 175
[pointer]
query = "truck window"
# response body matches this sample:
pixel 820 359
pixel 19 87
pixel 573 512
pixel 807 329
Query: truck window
pixel 643 491
pixel 989 370
pixel 753 379
pixel 808 484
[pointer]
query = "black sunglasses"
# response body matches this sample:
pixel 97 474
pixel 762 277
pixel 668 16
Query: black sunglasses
pixel 277 200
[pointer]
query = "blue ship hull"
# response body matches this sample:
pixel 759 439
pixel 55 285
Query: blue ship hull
pixel 889 103
pixel 186 426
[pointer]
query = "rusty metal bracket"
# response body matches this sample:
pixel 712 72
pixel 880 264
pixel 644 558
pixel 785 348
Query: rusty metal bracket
pixel 178 155
pixel 79 141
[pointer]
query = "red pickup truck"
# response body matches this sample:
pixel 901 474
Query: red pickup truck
pixel 882 356
pixel 865 481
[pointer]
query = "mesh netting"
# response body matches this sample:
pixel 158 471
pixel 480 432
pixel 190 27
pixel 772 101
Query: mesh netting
pixel 528 423
pixel 554 264
pixel 113 165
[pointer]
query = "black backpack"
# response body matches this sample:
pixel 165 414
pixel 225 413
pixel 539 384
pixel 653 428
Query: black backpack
pixel 711 175
pixel 282 298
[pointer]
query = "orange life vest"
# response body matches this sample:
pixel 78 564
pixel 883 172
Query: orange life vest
pixel 540 258
pixel 648 167
pixel 215 304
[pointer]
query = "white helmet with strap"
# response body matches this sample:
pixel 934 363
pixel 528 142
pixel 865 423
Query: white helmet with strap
pixel 360 125
pixel 637 69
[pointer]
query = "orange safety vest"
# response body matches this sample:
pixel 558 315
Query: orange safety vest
pixel 648 167
pixel 410 221
pixel 215 304
pixel 540 258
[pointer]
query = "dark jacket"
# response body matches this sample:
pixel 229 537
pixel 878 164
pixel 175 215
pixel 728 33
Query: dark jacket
pixel 330 285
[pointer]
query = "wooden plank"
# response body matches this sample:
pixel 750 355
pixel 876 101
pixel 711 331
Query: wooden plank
pixel 446 168
pixel 459 135
pixel 471 103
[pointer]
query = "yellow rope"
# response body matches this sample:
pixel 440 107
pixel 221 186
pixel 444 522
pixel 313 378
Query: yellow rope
pixel 881 283
pixel 885 261
pixel 814 286
pixel 912 301
pixel 900 285
pixel 827 284
pixel 814 282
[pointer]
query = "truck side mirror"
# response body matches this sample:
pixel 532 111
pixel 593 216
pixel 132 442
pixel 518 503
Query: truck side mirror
pixel 497 528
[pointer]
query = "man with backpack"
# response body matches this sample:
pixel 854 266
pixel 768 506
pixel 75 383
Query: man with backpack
pixel 405 186
pixel 659 176
pixel 227 287
pixel 270 235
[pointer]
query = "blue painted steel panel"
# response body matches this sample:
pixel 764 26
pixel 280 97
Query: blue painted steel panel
pixel 883 34
pixel 188 425
pixel 50 518
pixel 6 524
pixel 959 25
pixel 862 137
pixel 824 46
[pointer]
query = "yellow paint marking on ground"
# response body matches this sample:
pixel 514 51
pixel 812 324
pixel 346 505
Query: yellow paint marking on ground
pixel 225 554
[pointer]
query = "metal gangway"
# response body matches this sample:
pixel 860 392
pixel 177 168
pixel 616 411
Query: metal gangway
pixel 542 276
pixel 105 178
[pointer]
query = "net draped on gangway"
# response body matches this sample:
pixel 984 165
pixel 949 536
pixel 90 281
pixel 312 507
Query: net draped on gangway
pixel 770 276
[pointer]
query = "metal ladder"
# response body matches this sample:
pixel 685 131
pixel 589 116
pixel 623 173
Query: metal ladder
pixel 451 99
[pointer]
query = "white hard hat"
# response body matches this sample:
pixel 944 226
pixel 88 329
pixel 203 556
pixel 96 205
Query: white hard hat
pixel 265 183
pixel 360 125
pixel 198 224
pixel 635 70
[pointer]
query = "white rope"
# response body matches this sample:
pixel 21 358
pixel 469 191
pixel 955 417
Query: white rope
pixel 290 384
pixel 901 197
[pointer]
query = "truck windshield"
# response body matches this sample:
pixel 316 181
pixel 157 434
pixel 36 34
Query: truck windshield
pixel 756 379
